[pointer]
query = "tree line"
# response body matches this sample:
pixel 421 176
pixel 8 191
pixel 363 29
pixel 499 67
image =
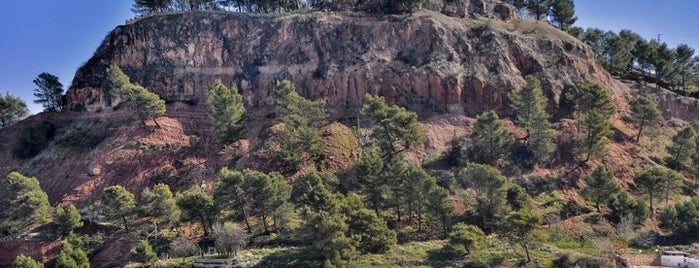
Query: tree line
pixel 146 7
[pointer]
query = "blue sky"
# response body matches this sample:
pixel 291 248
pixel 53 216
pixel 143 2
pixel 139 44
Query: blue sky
pixel 58 36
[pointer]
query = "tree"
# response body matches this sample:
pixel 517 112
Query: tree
pixel 48 92
pixel 601 186
pixel 143 253
pixel 440 209
pixel 644 53
pixel 118 204
pixel 145 104
pixel 160 204
pixel 327 231
pixel 227 111
pixel 229 239
pixel 395 129
pixel 662 61
pixel 252 194
pixel 302 118
pixel 530 105
pixel 622 205
pixel 683 146
pixel 12 109
pixel 562 12
pixel 517 197
pixel 593 137
pixel 23 261
pixel 150 6
pixel 465 237
pixel 644 113
pixel 538 8
pixel 22 200
pixel 617 53
pixel 651 181
pixel 682 64
pixel 682 218
pixel 72 257
pixel 488 185
pixel 490 139
pixel 69 218
pixel 369 232
pixel 518 226
pixel 371 178
pixel 197 205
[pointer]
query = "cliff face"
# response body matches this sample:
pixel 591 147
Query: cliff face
pixel 429 62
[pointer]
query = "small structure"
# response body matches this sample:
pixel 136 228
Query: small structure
pixel 671 258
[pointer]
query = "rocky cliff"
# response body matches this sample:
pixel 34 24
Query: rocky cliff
pixel 463 59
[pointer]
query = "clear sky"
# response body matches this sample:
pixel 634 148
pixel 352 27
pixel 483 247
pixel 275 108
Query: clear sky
pixel 57 36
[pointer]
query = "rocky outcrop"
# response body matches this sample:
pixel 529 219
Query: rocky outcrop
pixel 427 61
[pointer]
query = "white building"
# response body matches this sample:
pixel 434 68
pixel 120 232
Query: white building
pixel 678 259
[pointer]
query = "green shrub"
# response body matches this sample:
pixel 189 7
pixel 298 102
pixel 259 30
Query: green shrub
pixel 34 139
pixel 79 137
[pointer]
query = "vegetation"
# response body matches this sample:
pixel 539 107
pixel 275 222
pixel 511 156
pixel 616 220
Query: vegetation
pixel 228 112
pixel 644 114
pixel 21 201
pixel 69 218
pixel 12 109
pixel 159 204
pixel 145 104
pixel 34 139
pixel 49 92
pixel 601 186
pixel 530 105
pixel 23 261
pixel 147 7
pixel 72 257
pixel 118 204
pixel 490 140
pixel 143 253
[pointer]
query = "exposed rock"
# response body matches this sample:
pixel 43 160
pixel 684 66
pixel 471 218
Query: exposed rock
pixel 427 62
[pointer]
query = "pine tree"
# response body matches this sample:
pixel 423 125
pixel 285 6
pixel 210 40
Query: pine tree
pixel 490 139
pixel 562 12
pixel 592 139
pixel 651 181
pixel 601 186
pixel 538 8
pixel 118 204
pixel 518 227
pixel 143 253
pixel 530 105
pixel 69 218
pixel 465 237
pixel 150 6
pixel 395 129
pixel 160 204
pixel 644 114
pixel 227 111
pixel 49 92
pixel 145 104
pixel 23 261
pixel 683 146
pixel 197 206
pixel 12 109
pixel 22 200
pixel 489 186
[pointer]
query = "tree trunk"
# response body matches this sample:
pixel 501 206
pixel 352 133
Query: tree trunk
pixel 526 250
pixel 126 226
pixel 652 211
pixel 640 128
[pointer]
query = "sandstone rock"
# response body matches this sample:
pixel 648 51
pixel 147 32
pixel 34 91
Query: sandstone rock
pixel 429 63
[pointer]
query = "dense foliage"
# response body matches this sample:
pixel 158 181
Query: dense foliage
pixel 12 109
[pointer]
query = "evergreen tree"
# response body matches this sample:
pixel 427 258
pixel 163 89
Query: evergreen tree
pixel 197 205
pixel 372 178
pixel 490 139
pixel 518 227
pixel 683 146
pixel 682 218
pixel 143 253
pixel 592 139
pixel 12 109
pixel 48 92
pixel 644 114
pixel 562 12
pixel 369 232
pixel 682 64
pixel 160 204
pixel 538 8
pixel 465 237
pixel 150 6
pixel 23 261
pixel 327 232
pixel 440 210
pixel 69 218
pixel 644 53
pixel 530 105
pixel 145 104
pixel 488 184
pixel 618 53
pixel 622 205
pixel 227 111
pixel 22 200
pixel 651 181
pixel 662 61
pixel 118 204
pixel 601 186
pixel 72 257
pixel 395 129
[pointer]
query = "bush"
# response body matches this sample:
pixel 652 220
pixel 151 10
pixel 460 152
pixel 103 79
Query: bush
pixel 79 137
pixel 34 139
pixel 143 253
